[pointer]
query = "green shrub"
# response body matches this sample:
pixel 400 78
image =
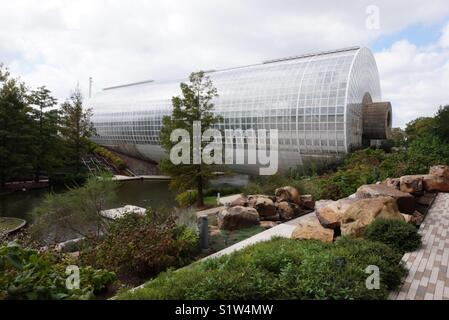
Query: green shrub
pixel 27 274
pixel 400 235
pixel 142 246
pixel 283 269
pixel 108 155
pixel 267 184
pixel 187 198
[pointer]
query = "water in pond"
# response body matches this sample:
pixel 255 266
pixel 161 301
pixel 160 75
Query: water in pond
pixel 142 193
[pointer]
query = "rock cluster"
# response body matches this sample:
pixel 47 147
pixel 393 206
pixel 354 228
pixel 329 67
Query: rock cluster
pixel 286 204
pixel 406 198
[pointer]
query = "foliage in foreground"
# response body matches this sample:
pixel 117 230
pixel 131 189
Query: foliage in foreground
pixel 76 210
pixel 27 274
pixel 400 235
pixel 283 269
pixel 142 246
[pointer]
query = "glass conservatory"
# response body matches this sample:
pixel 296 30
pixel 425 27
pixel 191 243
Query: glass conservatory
pixel 322 104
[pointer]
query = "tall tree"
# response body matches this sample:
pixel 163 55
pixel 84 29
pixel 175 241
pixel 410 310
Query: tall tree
pixel 15 127
pixel 47 142
pixel 76 127
pixel 194 105
pixel 442 123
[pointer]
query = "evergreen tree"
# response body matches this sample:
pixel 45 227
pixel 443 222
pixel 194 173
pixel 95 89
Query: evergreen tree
pixel 47 141
pixel 194 105
pixel 15 128
pixel 76 127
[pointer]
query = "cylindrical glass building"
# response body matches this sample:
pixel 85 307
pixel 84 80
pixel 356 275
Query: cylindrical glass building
pixel 315 101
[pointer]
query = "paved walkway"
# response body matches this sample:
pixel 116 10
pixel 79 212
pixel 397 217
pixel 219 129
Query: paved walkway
pixel 428 276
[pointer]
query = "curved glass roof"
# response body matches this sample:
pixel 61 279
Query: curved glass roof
pixel 313 100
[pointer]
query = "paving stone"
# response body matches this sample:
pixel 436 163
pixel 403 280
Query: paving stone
pixel 428 276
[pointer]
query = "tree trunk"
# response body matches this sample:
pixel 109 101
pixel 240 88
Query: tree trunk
pixel 37 174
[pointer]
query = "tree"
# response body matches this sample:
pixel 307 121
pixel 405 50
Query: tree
pixel 442 123
pixel 15 127
pixel 76 127
pixel 194 105
pixel 419 127
pixel 47 141
pixel 77 210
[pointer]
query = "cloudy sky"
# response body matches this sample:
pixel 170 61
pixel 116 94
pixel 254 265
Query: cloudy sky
pixel 59 43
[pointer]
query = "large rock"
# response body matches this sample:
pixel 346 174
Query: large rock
pixel 241 201
pixel 311 229
pixel 237 217
pixel 307 201
pixel 263 204
pixel 289 194
pixel 330 212
pixel 362 212
pixel 286 210
pixel 393 183
pixel 405 201
pixel 433 183
pixel 412 184
pixel 439 171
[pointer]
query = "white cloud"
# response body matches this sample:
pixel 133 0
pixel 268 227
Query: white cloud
pixel 415 79
pixel 61 42
pixel 444 41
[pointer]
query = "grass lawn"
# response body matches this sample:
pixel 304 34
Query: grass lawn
pixel 210 201
pixel 283 269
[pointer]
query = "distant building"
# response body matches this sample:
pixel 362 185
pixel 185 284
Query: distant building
pixel 321 104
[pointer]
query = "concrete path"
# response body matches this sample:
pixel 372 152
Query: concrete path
pixel 428 276
pixel 145 177
pixel 282 230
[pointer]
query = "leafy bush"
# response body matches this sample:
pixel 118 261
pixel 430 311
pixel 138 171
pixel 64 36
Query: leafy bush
pixel 400 235
pixel 267 184
pixel 108 155
pixel 142 246
pixel 27 274
pixel 76 211
pixel 187 198
pixel 283 269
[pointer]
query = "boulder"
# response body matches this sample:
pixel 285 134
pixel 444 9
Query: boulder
pixel 289 194
pixel 412 184
pixel 241 201
pixel 330 212
pixel 439 171
pixel 275 217
pixel 307 201
pixel 417 218
pixel 311 229
pixel 286 210
pixel 405 201
pixel 433 183
pixel 408 218
pixel 263 204
pixel 267 224
pixel 362 212
pixel 393 183
pixel 237 217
